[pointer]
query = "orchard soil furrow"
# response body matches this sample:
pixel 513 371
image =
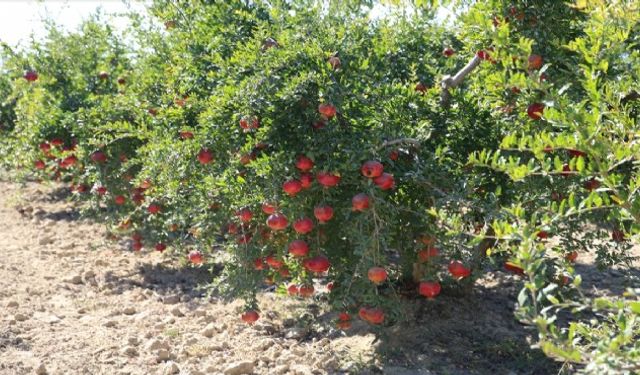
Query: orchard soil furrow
pixel 72 302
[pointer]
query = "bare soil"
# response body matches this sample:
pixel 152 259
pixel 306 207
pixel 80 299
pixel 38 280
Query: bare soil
pixel 72 302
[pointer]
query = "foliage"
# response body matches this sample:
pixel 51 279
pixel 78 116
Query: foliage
pixel 182 135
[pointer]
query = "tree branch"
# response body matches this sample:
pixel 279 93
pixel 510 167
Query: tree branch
pixel 449 82
pixel 412 141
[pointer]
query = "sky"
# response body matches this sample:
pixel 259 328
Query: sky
pixel 20 18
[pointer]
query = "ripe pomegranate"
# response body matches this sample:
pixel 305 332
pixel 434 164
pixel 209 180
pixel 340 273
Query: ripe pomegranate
pixel 377 275
pixel 385 181
pixel 425 254
pixel 31 75
pixel 543 234
pixel 57 142
pixel 306 291
pixel 205 156
pixel 484 55
pixel 572 256
pixel 304 164
pixel 535 111
pixel 335 63
pixel 99 157
pixel 360 202
pixel 448 52
pixel 535 62
pixel 152 111
pixel 101 190
pixel 273 262
pixel 372 169
pixel 160 247
pixel 592 184
pixel 617 235
pixel 136 246
pixel 292 187
pixel 306 179
pixel 244 214
pixel 328 179
pixel 277 221
pixel 327 110
pixel 303 226
pixel 292 290
pixel 45 147
pixel 284 272
pixel 566 170
pixel 121 81
pixel 394 155
pixel 458 270
pixel 103 75
pixel 259 264
pixel 429 289
pixel 420 87
pixel 330 286
pixel 69 161
pixel 250 317
pixel 244 238
pixel 513 268
pixel 298 248
pixel 119 200
pixel 195 257
pixel 323 213
pixel 153 209
pixel 317 264
pixel 373 315
pixel 268 208
pixel 38 164
pixel 576 153
pixel 344 317
pixel 185 134
pixel 344 325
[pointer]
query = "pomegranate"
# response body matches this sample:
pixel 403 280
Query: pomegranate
pixel 458 270
pixel 277 221
pixel 303 226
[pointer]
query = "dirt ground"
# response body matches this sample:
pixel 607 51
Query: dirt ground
pixel 73 303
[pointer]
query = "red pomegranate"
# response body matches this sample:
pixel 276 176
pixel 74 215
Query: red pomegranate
pixel 195 257
pixel 425 254
pixel 535 111
pixel 277 221
pixel 429 289
pixel 323 213
pixel 292 187
pixel 327 110
pixel 360 202
pixel 373 315
pixel 377 275
pixel 385 181
pixel 458 270
pixel 303 226
pixel 304 164
pixel 317 264
pixel 99 157
pixel 306 291
pixel 306 180
pixel 250 317
pixel 205 156
pixel 268 208
pixel 244 214
pixel 328 179
pixel 298 248
pixel 372 169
